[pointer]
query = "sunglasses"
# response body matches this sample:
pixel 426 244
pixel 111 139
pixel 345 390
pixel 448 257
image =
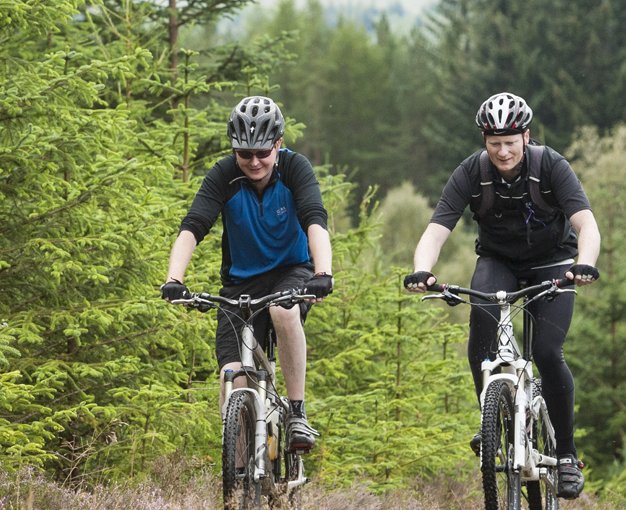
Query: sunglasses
pixel 250 154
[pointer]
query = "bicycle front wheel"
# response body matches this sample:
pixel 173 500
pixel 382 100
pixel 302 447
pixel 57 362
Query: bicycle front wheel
pixel 542 493
pixel 501 483
pixel 238 454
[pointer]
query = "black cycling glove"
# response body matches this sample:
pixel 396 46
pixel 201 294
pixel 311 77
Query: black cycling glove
pixel 412 280
pixel 320 285
pixel 586 271
pixel 174 290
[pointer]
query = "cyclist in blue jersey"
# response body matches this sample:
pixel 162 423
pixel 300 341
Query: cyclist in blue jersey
pixel 274 238
pixel 532 227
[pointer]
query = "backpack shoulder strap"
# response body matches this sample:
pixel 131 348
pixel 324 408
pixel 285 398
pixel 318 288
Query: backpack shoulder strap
pixel 535 154
pixel 486 185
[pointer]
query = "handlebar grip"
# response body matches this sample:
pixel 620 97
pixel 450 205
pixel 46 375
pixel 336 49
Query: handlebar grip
pixel 436 287
pixel 564 282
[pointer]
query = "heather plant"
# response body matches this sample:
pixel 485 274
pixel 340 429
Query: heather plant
pixel 30 491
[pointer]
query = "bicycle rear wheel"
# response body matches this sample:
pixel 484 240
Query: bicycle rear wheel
pixel 238 454
pixel 501 484
pixel 291 483
pixel 294 471
pixel 542 493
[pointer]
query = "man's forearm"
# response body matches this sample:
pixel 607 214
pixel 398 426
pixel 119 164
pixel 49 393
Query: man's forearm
pixel 321 251
pixel 180 256
pixel 429 247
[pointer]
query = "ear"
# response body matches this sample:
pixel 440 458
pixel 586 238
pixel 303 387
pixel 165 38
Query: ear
pixel 526 135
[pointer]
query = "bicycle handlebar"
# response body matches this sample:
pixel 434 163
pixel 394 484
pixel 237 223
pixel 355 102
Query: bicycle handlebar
pixel 450 293
pixel 204 301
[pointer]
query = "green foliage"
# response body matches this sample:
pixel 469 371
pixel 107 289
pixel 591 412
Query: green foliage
pixel 389 382
pixel 37 17
pixel 548 52
pixel 615 490
pixel 405 215
pixel 110 114
pixel 384 375
pixel 95 380
pixel 347 88
pixel 397 107
pixel 598 330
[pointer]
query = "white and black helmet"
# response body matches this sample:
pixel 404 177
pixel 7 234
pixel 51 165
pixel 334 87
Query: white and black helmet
pixel 255 123
pixel 504 114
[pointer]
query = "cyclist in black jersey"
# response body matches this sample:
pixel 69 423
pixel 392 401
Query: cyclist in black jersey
pixel 274 238
pixel 519 239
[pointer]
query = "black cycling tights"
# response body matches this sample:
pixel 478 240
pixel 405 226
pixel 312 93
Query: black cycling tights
pixel 552 320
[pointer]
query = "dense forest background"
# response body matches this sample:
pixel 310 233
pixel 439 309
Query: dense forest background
pixel 111 112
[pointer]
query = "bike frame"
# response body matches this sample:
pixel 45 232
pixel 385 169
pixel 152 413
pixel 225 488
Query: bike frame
pixel 251 351
pixel 260 370
pixel 516 369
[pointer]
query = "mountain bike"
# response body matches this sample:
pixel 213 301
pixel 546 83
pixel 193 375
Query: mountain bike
pixel 257 467
pixel 518 447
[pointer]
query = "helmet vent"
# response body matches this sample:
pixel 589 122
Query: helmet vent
pixel 255 123
pixel 503 114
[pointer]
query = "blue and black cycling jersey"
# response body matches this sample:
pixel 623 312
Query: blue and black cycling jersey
pixel 261 232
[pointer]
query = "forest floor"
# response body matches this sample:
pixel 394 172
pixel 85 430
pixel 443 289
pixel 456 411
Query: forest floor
pixel 31 492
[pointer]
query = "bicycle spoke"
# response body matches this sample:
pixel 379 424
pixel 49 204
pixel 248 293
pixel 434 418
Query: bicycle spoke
pixel 542 493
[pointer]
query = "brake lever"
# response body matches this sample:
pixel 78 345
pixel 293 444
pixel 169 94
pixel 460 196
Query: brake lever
pixel 554 291
pixel 186 302
pixel 291 299
pixel 195 302
pixel 433 296
pixel 450 298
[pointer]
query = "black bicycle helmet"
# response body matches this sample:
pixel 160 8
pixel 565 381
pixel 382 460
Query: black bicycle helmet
pixel 504 114
pixel 255 123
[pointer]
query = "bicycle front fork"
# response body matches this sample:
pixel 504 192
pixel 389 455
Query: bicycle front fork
pixel 259 394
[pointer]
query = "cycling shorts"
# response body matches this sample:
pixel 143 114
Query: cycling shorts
pixel 228 323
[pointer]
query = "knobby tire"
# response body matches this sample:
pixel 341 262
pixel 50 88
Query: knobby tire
pixel 239 489
pixel 501 484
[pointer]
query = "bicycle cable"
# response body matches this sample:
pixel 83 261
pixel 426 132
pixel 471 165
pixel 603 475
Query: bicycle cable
pixel 272 390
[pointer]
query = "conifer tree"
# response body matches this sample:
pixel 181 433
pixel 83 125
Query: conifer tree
pixel 96 379
pixel 389 393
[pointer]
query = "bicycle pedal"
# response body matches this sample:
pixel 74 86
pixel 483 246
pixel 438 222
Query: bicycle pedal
pixel 300 450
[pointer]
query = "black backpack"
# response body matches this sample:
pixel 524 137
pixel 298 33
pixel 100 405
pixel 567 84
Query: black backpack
pixel 535 154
